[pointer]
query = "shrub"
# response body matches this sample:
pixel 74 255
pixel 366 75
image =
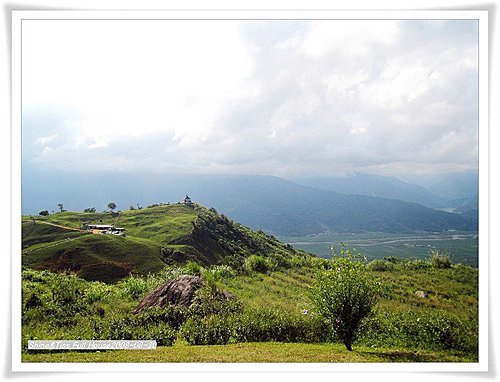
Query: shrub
pixel 421 329
pixel 416 264
pixel 134 328
pixel 260 325
pixel 210 330
pixel 380 265
pixel 440 260
pixel 208 301
pixel 344 295
pixel 97 291
pixel 256 263
pixel 193 268
pixel 220 272
pixel 172 315
pixel 135 286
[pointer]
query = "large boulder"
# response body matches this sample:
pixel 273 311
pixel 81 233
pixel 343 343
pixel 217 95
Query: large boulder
pixel 180 291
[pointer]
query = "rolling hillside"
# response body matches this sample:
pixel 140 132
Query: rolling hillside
pixel 155 236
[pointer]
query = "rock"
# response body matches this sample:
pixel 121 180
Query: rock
pixel 421 294
pixel 180 291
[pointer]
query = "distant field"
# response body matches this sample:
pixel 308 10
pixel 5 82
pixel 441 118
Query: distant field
pixel 462 246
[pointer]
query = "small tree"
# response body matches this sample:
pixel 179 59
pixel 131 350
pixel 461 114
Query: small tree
pixel 43 213
pixel 90 210
pixel 61 207
pixel 111 206
pixel 344 295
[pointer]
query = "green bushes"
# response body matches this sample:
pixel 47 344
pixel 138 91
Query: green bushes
pixel 210 330
pixel 380 265
pixel 256 263
pixel 260 325
pixel 136 328
pixel 255 325
pixel 440 260
pixel 423 329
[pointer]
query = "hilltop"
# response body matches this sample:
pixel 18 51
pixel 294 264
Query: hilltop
pixel 154 237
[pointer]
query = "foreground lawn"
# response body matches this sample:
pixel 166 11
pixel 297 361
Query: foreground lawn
pixel 252 352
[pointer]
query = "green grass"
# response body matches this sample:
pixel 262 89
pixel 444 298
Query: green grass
pixel 160 224
pixel 404 328
pixel 253 352
pixel 34 233
pixel 97 257
pixel 441 326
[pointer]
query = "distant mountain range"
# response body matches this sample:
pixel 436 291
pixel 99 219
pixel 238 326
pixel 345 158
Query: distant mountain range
pixel 377 185
pixel 268 203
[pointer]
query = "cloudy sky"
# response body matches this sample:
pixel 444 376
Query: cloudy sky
pixel 285 98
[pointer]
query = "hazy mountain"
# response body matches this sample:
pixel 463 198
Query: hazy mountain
pixel 456 185
pixel 376 185
pixel 260 202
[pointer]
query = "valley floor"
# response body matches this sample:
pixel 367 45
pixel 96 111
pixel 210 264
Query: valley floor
pixel 253 352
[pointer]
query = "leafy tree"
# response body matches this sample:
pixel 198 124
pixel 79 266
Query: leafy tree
pixel 61 207
pixel 44 213
pixel 344 294
pixel 111 206
pixel 92 210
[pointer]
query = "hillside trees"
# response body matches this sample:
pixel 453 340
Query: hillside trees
pixel 111 206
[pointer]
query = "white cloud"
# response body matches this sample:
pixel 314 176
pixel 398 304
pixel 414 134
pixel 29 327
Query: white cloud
pixel 277 97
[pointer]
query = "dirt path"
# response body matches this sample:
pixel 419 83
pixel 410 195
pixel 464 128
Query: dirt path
pixel 59 226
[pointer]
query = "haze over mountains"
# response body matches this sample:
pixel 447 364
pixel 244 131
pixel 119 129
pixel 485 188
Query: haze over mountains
pixel 275 205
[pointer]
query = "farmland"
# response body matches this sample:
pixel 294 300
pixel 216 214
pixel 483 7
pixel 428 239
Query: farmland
pixel 462 246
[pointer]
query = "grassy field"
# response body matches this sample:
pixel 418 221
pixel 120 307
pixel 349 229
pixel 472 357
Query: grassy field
pixel 253 352
pixel 427 311
pixel 462 246
pixel 405 327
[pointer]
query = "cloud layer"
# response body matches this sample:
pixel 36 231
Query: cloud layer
pixel 287 98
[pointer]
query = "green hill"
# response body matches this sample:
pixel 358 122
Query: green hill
pixel 155 236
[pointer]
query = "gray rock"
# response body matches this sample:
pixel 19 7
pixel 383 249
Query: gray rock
pixel 180 291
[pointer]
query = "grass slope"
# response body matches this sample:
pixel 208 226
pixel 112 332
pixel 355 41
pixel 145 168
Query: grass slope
pixel 155 236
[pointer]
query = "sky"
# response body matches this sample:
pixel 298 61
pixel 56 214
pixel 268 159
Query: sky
pixel 278 97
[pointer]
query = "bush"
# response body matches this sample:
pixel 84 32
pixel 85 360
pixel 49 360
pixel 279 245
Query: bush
pixel 192 268
pixel 220 272
pixel 172 315
pixel 210 330
pixel 344 295
pixel 134 328
pixel 209 301
pixel 256 263
pixel 260 325
pixel 425 329
pixel 380 265
pixel 135 287
pixel 440 260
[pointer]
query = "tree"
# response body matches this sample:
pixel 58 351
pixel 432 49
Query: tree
pixel 61 207
pixel 44 213
pixel 344 295
pixel 91 210
pixel 111 206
